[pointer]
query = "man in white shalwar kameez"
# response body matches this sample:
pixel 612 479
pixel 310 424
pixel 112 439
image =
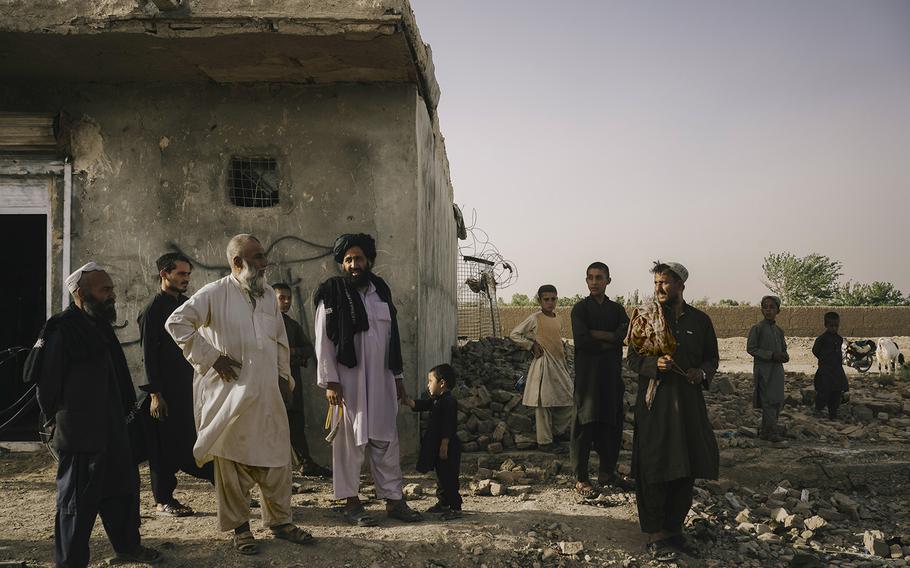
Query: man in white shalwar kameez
pixel 359 364
pixel 549 388
pixel 232 333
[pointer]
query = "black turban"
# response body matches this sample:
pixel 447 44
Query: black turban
pixel 344 243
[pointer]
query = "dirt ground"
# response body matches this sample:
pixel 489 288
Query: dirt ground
pixel 525 530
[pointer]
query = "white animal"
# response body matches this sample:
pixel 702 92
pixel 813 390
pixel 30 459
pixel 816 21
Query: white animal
pixel 887 354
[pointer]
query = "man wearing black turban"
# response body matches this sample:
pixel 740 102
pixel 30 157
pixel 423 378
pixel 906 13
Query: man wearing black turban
pixel 360 366
pixel 346 242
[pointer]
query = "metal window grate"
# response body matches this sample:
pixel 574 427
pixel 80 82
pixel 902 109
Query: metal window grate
pixel 253 182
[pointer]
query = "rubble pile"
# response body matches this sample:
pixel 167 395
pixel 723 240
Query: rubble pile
pixel 491 416
pixel 772 527
pixel 510 478
pixel 878 409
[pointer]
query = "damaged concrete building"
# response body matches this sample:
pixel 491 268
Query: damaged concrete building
pixel 131 127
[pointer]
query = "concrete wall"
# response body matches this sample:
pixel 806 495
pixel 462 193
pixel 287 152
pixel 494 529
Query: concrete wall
pixel 796 321
pixel 436 248
pixel 150 167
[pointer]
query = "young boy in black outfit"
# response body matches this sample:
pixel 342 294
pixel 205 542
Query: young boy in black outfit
pixel 830 379
pixel 440 447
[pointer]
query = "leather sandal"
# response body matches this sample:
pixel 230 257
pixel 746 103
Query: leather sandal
pixel 292 533
pixel 359 517
pixel 661 550
pixel 400 510
pixel 586 490
pixel 245 544
pixel 173 509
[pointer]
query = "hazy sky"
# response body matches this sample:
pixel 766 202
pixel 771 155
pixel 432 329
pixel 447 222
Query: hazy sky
pixel 707 132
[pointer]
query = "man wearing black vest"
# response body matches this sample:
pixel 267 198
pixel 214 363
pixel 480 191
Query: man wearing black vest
pixel 87 397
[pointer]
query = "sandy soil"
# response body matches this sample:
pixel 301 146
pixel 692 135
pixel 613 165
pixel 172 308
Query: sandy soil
pixel 495 531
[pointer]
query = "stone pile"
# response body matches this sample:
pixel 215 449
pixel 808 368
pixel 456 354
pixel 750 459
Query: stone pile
pixel 491 417
pixel 510 478
pixel 874 412
pixel 772 527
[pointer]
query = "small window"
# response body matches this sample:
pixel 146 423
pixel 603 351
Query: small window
pixel 253 182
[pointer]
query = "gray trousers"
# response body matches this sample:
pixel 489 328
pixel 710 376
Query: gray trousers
pixel 769 413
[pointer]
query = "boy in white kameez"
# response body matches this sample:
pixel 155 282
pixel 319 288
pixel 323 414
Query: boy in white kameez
pixel 549 388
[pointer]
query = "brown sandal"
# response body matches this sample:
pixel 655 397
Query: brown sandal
pixel 586 490
pixel 245 544
pixel 292 533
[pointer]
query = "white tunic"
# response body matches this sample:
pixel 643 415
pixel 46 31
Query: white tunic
pixel 243 420
pixel 370 397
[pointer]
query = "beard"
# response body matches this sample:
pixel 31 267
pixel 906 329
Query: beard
pixel 359 280
pixel 104 311
pixel 251 281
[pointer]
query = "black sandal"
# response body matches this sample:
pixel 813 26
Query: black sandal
pixel 661 550
pixel 682 544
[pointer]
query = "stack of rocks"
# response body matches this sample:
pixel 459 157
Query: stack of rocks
pixel 491 417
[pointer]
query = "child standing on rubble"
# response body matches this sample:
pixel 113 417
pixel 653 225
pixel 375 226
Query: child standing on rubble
pixel 830 378
pixel 768 347
pixel 440 448
pixel 549 389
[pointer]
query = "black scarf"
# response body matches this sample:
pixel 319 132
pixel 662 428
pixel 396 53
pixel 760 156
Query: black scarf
pixel 346 315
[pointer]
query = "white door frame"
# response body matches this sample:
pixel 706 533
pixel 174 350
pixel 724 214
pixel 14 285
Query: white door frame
pixel 31 196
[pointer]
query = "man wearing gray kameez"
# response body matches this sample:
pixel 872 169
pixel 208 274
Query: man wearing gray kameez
pixel 766 344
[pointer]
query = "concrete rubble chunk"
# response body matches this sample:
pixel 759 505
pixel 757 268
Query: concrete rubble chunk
pixel 780 515
pixel 570 548
pixel 412 490
pixel 874 542
pixel 814 523
pixel 497 489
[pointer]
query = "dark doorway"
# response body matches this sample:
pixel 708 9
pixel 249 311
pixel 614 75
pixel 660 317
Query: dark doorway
pixel 23 301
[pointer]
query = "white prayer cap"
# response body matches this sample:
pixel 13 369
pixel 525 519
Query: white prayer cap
pixel 679 270
pixel 72 281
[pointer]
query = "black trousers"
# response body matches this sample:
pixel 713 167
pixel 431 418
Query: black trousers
pixel 663 506
pixel 829 399
pixel 89 485
pixel 606 440
pixel 297 426
pixel 447 473
pixel 163 473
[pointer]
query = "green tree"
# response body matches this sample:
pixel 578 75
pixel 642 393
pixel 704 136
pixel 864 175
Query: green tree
pixel 875 294
pixel 568 301
pixel 522 300
pixel 807 280
pixel 728 302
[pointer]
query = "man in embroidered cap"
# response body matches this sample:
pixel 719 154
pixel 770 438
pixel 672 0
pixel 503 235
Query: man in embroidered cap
pixel 86 396
pixel 673 442
pixel 232 334
pixel 359 364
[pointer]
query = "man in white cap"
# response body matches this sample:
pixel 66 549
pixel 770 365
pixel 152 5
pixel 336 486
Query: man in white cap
pixel 673 442
pixel 87 397
pixel 232 334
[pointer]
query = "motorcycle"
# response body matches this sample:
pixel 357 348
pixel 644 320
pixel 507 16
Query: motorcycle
pixel 859 354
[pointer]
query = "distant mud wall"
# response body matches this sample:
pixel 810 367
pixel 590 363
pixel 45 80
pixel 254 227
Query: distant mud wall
pixel 796 321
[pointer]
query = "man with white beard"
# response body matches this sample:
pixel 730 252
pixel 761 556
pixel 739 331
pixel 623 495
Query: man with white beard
pixel 232 334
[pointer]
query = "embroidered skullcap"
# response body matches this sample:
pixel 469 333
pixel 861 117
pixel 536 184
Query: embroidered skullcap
pixel 344 243
pixel 774 299
pixel 676 268
pixel 72 281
